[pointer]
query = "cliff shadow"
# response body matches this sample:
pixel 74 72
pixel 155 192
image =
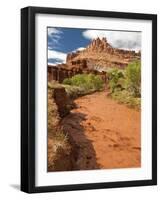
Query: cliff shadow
pixel 83 151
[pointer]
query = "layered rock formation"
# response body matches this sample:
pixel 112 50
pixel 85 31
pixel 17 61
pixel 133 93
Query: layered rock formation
pixel 98 45
pixel 100 53
pixel 96 58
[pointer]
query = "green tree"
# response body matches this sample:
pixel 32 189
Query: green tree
pixel 133 78
pixel 116 79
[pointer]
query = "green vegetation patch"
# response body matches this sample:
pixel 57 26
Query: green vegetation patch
pixel 126 98
pixel 74 92
pixel 87 81
pixel 125 85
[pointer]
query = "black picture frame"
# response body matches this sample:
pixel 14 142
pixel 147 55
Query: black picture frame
pixel 28 98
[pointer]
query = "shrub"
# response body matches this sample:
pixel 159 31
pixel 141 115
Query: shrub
pixel 133 78
pixel 126 98
pixel 74 91
pixel 85 81
pixel 125 85
pixel 67 81
pixel 116 80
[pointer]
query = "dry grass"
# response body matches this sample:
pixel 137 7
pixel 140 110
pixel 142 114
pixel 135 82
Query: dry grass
pixel 58 150
pixel 59 147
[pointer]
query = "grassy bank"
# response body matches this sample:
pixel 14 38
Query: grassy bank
pixel 126 98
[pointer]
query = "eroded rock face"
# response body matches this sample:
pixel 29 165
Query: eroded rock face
pixel 98 45
pixel 70 56
pixel 61 100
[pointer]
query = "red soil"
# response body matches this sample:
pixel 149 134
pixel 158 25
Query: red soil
pixel 106 133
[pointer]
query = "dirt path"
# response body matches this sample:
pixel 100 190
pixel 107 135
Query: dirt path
pixel 106 134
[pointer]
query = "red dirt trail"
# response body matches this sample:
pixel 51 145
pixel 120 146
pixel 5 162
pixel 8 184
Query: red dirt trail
pixel 106 133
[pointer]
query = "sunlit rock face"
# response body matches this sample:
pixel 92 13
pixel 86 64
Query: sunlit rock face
pixel 96 58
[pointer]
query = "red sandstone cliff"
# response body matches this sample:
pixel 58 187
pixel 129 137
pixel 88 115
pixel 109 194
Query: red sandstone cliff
pixel 100 54
pixel 96 58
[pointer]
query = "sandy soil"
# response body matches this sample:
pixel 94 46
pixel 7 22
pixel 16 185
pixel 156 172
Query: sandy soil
pixel 106 133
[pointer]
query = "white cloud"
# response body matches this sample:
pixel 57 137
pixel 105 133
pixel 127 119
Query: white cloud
pixel 52 31
pixel 52 64
pixel 80 48
pixel 52 54
pixel 55 35
pixel 118 39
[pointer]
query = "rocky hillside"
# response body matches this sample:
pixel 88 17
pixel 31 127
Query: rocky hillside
pixel 99 55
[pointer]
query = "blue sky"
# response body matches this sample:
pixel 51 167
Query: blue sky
pixel 64 40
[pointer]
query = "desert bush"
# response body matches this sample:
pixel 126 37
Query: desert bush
pixel 116 80
pixel 133 78
pixel 74 91
pixel 125 97
pixel 85 81
pixel 125 85
pixel 67 81
pixel 53 84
